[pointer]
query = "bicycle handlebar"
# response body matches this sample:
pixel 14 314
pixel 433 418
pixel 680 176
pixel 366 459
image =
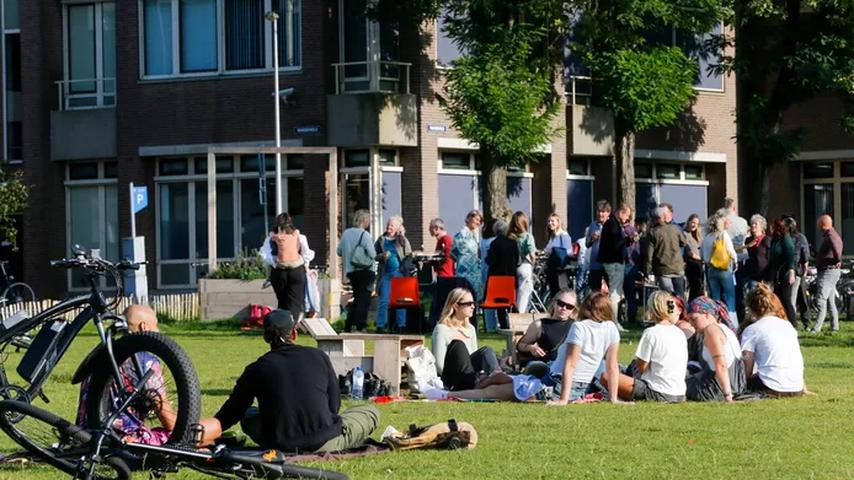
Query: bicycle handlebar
pixel 97 265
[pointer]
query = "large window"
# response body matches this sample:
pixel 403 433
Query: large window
pixel 369 52
pixel 681 185
pixel 92 219
pixel 828 188
pixel 182 211
pixel 90 56
pixel 186 37
pixel 11 91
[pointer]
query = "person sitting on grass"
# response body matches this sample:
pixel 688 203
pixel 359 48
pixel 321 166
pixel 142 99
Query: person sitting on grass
pixel 298 399
pixel 773 362
pixel 139 318
pixel 721 375
pixel 454 343
pixel 661 359
pixel 538 347
pixel 579 364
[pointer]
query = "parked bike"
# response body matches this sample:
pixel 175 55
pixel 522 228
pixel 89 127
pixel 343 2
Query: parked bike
pixel 13 292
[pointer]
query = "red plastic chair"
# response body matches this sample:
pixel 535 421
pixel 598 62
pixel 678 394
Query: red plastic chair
pixel 406 294
pixel 500 292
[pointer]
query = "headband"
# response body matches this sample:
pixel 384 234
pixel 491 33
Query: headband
pixel 715 308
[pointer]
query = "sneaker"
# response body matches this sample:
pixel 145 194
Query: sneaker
pixel 812 331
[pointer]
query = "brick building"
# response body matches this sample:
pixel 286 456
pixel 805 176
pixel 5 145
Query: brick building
pixel 114 92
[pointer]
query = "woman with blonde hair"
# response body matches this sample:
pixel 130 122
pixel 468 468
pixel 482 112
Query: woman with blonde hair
pixel 578 367
pixel 558 249
pixel 773 362
pixel 719 256
pixel 527 250
pixel 661 359
pixel 459 362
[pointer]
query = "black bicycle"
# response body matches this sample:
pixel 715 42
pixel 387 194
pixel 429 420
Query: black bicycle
pixel 169 402
pixel 12 292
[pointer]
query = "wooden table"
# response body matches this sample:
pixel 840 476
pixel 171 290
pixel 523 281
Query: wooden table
pixel 347 350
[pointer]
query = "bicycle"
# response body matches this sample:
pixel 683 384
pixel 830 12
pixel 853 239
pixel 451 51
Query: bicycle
pixel 13 292
pixel 118 357
pixel 104 455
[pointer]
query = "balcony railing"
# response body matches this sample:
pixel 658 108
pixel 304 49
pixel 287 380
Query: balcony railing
pixel 87 93
pixel 379 76
pixel 579 90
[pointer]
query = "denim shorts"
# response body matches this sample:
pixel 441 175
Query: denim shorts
pixel 577 390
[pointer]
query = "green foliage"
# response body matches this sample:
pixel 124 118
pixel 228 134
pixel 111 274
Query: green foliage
pixel 244 267
pixel 496 99
pixel 13 199
pixel 645 88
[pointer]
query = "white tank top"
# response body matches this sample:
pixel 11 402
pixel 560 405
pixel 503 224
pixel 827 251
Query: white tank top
pixel 732 349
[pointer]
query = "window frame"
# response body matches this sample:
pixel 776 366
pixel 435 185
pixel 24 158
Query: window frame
pixel 221 70
pixel 836 181
pixel 6 129
pixel 101 93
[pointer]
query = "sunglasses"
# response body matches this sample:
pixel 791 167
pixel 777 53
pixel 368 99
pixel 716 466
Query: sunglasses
pixel 466 304
pixel 568 306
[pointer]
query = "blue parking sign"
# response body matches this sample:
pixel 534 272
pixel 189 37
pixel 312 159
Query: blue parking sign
pixel 140 198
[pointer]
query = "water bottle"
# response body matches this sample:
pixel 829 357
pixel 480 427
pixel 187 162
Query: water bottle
pixel 358 383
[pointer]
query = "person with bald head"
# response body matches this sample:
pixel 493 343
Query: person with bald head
pixel 141 318
pixel 828 260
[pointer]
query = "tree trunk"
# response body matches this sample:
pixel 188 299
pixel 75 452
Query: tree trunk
pixel 495 203
pixel 765 197
pixel 624 153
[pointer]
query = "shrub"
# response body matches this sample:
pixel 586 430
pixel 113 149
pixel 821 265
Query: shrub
pixel 245 266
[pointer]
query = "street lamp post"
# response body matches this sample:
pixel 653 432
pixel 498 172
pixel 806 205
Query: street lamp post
pixel 274 18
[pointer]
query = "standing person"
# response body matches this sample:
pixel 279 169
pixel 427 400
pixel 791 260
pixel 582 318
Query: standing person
pixel 693 260
pixel 595 272
pixel 738 230
pixel 781 267
pixel 630 274
pixel 773 362
pixel 722 375
pixel 502 259
pixel 444 268
pixel 490 318
pixel 360 275
pixel 802 260
pixel 720 259
pixel 288 276
pixel 612 252
pixel 828 260
pixel 465 251
pixel 527 250
pixel 298 398
pixel 661 359
pixel 635 271
pixel 393 253
pixel 663 257
pixel 758 246
pixel 459 362
pixel 558 249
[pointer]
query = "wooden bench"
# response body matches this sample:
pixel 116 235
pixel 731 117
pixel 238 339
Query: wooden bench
pixel 347 350
pixel 519 323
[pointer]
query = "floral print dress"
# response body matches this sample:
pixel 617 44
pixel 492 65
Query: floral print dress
pixel 466 254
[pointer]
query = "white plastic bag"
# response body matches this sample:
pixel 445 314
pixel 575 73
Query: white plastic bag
pixel 421 369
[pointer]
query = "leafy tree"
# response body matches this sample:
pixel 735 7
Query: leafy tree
pixel 645 83
pixel 787 51
pixel 13 199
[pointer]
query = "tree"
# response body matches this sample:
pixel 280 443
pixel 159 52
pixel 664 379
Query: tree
pixel 645 83
pixel 13 199
pixel 501 92
pixel 787 51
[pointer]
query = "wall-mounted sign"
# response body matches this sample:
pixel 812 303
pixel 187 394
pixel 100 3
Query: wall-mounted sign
pixel 436 128
pixel 307 129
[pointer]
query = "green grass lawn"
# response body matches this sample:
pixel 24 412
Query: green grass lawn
pixel 810 437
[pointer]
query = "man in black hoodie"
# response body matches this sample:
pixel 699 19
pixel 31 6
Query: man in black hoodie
pixel 298 399
pixel 612 255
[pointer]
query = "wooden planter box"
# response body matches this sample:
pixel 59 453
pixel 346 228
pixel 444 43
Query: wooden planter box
pixel 225 298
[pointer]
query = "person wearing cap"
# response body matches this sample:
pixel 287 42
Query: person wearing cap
pixel 298 399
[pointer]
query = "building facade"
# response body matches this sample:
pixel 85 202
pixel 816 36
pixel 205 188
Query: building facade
pixel 110 93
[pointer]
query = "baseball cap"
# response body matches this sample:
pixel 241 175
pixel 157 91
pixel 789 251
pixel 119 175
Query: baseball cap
pixel 526 386
pixel 279 319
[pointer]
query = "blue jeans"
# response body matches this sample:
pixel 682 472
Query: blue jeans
pixel 722 286
pixel 382 307
pixel 577 389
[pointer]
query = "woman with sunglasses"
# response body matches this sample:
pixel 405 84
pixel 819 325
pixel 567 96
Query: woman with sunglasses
pixel 661 359
pixel 454 342
pixel 538 347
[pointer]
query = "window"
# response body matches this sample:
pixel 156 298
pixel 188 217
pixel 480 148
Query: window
pixel 818 200
pixel 702 48
pixel 90 56
pixel 238 28
pixel 11 92
pixel 667 171
pixel 818 170
pixel 388 158
pixel 11 14
pixel 456 161
pixel 694 172
pixel 357 158
pixel 643 170
pixel 447 52
pixel 578 167
pixel 369 52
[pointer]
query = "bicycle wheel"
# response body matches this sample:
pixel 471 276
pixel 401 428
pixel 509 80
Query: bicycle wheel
pixel 170 401
pixel 19 292
pixel 54 440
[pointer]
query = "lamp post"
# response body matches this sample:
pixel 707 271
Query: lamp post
pixel 274 18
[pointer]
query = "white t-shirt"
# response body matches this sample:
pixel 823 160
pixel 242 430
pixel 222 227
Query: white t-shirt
pixel 776 354
pixel 593 338
pixel 665 349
